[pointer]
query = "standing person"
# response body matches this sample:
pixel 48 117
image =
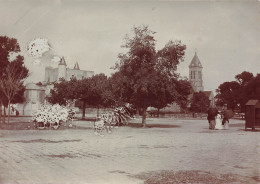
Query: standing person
pixel 212 113
pixel 226 115
pixel 219 125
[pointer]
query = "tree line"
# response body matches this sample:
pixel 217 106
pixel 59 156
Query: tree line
pixel 235 94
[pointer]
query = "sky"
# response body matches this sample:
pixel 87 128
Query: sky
pixel 225 34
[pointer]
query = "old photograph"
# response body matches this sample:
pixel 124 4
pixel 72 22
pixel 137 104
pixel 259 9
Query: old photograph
pixel 129 92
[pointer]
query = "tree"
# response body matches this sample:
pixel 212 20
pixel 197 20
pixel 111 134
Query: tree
pixel 62 92
pixel 199 102
pixel 184 90
pixel 146 75
pixel 12 82
pixel 237 93
pixel 244 78
pixel 252 88
pixel 89 91
pixel 9 46
pixel 227 93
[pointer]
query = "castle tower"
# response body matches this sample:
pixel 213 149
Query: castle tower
pixel 62 69
pixel 76 67
pixel 195 74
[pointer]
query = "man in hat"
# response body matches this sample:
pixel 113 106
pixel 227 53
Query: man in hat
pixel 212 113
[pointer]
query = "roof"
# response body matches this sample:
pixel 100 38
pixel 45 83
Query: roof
pixel 33 86
pixel 195 62
pixel 62 61
pixel 253 102
pixel 76 67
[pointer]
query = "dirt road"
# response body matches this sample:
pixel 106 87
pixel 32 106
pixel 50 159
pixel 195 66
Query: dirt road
pixel 78 156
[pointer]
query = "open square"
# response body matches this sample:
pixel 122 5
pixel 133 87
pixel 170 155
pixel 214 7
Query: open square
pixel 78 156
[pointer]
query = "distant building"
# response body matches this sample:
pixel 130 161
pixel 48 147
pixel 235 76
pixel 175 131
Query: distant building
pixel 196 81
pixel 35 94
pixel 54 74
pixel 34 97
pixel 195 74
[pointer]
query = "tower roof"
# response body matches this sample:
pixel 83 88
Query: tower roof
pixel 62 61
pixel 76 67
pixel 195 62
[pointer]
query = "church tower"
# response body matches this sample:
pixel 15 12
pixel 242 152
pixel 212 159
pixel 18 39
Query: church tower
pixel 62 69
pixel 195 74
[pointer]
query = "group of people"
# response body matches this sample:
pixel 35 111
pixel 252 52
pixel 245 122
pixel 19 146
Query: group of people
pixel 218 120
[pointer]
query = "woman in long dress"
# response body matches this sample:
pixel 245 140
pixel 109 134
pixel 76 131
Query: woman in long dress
pixel 219 125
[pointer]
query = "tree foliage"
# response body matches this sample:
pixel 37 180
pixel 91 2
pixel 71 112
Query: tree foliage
pixel 199 102
pixel 236 93
pixel 228 93
pixel 148 77
pixel 12 73
pixel 91 91
pixel 184 89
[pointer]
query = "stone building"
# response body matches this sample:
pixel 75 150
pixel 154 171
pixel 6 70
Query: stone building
pixel 195 74
pixel 54 74
pixel 195 78
pixel 35 94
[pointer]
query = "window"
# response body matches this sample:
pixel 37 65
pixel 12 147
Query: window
pixel 192 73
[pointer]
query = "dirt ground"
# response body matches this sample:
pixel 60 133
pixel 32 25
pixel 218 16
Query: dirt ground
pixel 169 151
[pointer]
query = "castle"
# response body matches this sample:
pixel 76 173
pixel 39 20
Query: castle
pixel 35 93
pixel 54 74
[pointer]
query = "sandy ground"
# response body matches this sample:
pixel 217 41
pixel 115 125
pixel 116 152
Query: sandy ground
pixel 78 156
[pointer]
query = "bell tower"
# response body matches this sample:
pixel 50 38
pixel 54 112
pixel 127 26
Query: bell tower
pixel 62 70
pixel 195 74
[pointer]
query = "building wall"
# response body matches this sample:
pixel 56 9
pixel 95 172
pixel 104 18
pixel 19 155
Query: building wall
pixel 62 71
pixel 33 99
pixel 212 100
pixel 79 74
pixel 195 77
pixel 51 74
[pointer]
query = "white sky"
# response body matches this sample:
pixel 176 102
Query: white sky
pixel 226 34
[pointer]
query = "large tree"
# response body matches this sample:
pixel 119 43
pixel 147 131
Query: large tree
pixel 199 102
pixel 237 93
pixel 148 75
pixel 12 73
pixel 227 93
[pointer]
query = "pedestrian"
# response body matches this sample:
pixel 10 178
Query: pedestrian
pixel 226 116
pixel 212 113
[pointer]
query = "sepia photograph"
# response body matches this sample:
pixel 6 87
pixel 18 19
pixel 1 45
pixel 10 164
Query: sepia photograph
pixel 129 92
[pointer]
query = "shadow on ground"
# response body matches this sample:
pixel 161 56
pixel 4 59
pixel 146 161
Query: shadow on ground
pixel 169 176
pixel 139 125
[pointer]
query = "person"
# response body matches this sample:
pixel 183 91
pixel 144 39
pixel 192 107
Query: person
pixel 212 113
pixel 226 115
pixel 219 125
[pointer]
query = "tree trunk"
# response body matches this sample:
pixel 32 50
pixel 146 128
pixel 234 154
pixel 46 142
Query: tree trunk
pixel 144 117
pixel 158 112
pixel 9 109
pixel 4 115
pixel 97 111
pixel 0 111
pixel 83 110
